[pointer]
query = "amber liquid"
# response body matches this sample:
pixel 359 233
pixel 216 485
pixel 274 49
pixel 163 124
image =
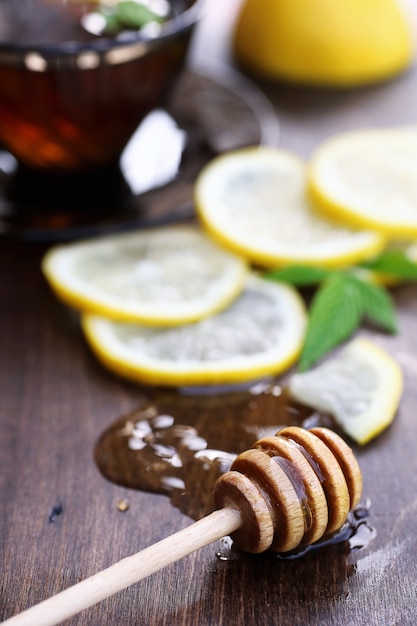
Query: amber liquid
pixel 67 119
pixel 178 444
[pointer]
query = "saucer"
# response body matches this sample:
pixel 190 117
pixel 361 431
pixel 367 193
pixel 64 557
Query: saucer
pixel 209 112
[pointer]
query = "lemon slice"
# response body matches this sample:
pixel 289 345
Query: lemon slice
pixel 168 275
pixel 367 179
pixel 260 333
pixel 360 387
pixel 254 202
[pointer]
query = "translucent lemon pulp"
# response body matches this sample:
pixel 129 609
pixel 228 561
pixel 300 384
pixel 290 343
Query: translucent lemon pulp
pixel 360 387
pixel 367 179
pixel 260 333
pixel 253 201
pixel 168 275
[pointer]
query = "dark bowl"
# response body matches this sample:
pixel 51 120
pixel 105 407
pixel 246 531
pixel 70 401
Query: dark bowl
pixel 72 106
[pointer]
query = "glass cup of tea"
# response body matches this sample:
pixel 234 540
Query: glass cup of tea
pixel 74 85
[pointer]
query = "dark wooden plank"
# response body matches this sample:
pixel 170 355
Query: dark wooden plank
pixel 59 520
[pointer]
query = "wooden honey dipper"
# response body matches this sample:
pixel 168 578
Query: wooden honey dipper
pixel 289 490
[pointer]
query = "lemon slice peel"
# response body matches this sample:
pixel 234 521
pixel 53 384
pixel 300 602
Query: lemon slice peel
pixel 170 275
pixel 366 179
pixel 260 334
pixel 253 201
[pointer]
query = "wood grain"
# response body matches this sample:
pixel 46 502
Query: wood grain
pixel 59 521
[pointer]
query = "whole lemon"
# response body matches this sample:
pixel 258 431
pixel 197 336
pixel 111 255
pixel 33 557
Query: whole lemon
pixel 339 43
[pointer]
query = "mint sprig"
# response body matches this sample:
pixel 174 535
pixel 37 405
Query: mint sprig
pixel 299 275
pixel 344 300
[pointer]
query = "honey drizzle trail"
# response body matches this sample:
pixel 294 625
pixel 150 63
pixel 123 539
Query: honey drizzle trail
pixel 178 443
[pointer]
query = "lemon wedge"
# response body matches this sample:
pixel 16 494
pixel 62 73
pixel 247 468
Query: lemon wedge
pixel 168 275
pixel 360 387
pixel 254 202
pixel 367 179
pixel 260 333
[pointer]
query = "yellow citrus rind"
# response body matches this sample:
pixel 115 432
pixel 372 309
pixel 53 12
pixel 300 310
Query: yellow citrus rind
pixel 166 276
pixel 253 201
pixel 366 179
pixel 321 42
pixel 260 334
pixel 361 387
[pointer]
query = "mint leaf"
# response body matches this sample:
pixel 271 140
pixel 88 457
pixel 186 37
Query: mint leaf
pixel 335 313
pixel 377 305
pixel 128 14
pixel 338 308
pixel 393 262
pixel 342 302
pixel 134 15
pixel 112 23
pixel 299 275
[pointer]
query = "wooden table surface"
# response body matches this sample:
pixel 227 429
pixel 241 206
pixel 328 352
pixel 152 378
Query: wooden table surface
pixel 59 520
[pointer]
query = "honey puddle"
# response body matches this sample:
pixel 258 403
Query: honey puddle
pixel 179 442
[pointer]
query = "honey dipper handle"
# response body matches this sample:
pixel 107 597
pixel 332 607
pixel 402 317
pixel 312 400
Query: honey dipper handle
pixel 133 568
